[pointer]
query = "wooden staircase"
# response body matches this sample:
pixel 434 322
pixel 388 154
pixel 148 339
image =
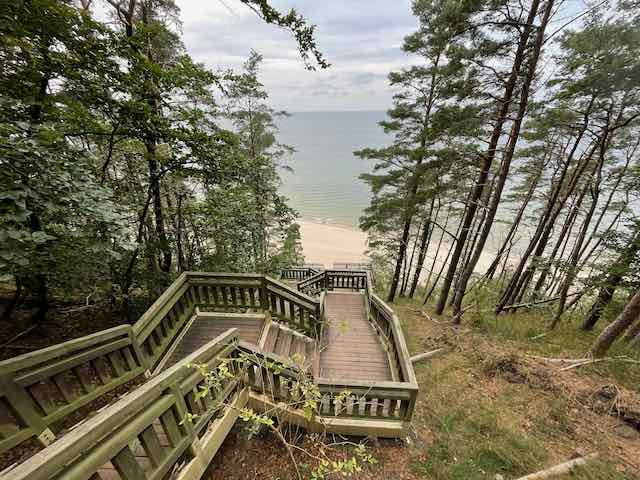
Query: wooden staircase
pixel 286 342
pixel 265 335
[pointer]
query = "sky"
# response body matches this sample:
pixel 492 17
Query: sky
pixel 362 40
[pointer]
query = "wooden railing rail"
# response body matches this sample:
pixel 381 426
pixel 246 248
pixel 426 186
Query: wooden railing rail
pixel 275 382
pixel 389 324
pixel 331 279
pixel 139 420
pixel 40 388
pixel 298 273
pixel 372 400
pixel 296 309
pixel 164 320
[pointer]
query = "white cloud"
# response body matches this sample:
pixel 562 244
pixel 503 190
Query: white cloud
pixel 361 39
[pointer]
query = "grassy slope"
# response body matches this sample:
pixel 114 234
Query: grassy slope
pixel 489 408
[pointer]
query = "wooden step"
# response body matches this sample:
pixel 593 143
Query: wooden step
pixel 283 345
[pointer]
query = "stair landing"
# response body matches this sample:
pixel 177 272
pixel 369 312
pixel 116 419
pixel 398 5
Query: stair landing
pixel 351 348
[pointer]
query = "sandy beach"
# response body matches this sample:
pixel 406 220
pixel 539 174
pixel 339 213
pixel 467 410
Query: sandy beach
pixel 327 244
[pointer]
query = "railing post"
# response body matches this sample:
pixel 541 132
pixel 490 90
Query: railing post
pixel 264 298
pixel 27 412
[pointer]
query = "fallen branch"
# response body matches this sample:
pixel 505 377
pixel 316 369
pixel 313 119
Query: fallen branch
pixel 539 302
pixel 425 355
pixel 589 361
pixel 16 337
pixel 79 309
pixel 458 316
pixel 535 337
pixel 558 360
pixel 566 467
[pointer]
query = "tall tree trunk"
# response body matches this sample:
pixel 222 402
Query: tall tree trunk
pixel 507 158
pixel 563 239
pixel 424 244
pixel 413 190
pixel 537 245
pixel 407 270
pixel 619 270
pixel 486 160
pixel 14 302
pixel 444 264
pixel 516 223
pixel 616 328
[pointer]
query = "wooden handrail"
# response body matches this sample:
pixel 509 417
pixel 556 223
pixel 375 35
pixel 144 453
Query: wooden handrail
pixel 129 351
pixel 45 386
pixel 108 436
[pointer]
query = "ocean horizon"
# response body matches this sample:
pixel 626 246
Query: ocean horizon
pixel 324 186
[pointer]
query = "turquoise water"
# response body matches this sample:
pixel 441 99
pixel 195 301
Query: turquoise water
pixel 324 186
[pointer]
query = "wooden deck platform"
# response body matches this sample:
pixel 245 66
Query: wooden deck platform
pixel 207 326
pixel 351 350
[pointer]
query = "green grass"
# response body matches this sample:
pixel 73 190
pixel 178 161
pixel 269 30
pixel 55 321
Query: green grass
pixel 475 424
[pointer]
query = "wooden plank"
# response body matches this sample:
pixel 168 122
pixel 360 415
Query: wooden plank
pixel 127 466
pixel 151 445
pixel 45 355
pixel 283 345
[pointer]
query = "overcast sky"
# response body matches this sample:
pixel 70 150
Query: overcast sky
pixel 360 38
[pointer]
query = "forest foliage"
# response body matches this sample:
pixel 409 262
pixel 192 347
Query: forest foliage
pixel 515 162
pixel 124 161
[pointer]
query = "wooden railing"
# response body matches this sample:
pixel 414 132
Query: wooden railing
pixel 40 388
pixel 164 320
pixel 388 325
pixel 134 427
pixel 332 279
pixel 298 273
pixel 371 400
pixel 43 387
pixel 275 382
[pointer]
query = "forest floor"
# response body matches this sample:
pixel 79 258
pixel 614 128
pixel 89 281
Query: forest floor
pixel 489 407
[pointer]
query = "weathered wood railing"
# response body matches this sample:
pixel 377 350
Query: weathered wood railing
pixel 164 320
pixel 298 273
pixel 392 401
pixel 43 387
pixel 128 435
pixel 371 400
pixel 40 388
pixel 331 279
pixel 276 382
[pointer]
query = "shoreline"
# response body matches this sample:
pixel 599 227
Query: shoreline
pixel 328 243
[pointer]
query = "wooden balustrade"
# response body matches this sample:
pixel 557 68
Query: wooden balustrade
pixel 296 309
pixel 388 325
pixel 144 435
pixel 271 374
pixel 252 292
pixel 298 273
pixel 371 400
pixel 332 279
pixel 164 320
pixel 44 386
pixel 40 388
